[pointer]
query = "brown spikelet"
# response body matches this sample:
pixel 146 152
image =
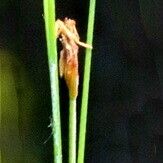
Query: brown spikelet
pixel 68 62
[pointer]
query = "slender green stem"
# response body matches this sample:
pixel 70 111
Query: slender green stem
pixel 49 16
pixel 85 93
pixel 72 131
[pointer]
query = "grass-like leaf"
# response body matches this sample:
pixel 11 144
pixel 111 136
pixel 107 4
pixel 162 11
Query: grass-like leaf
pixel 49 16
pixel 85 93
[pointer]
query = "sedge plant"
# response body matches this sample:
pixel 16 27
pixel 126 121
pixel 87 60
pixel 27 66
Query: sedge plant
pixel 68 66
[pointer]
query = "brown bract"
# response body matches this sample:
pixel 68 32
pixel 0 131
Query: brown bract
pixel 68 62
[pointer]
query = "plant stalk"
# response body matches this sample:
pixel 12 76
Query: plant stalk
pixel 85 93
pixel 72 131
pixel 49 16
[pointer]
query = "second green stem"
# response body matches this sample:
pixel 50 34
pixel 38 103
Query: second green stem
pixel 72 131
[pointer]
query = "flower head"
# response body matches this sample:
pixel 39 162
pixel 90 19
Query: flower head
pixel 68 62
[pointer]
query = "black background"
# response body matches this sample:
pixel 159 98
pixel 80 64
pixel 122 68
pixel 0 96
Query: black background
pixel 126 89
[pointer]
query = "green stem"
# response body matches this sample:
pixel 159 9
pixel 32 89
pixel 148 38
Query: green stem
pixel 49 16
pixel 85 93
pixel 72 131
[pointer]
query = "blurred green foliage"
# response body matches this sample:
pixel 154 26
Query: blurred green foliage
pixel 17 103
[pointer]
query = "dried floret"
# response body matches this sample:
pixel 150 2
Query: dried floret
pixel 68 62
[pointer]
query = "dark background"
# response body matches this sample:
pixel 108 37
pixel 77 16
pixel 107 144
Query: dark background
pixel 126 89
